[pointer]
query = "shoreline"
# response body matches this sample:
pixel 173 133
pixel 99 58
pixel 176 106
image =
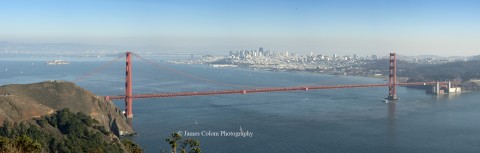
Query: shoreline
pixel 371 76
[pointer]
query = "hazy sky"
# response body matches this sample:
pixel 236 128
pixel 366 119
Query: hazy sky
pixel 338 26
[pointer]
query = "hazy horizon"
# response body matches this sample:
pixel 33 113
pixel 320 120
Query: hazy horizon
pixel 446 28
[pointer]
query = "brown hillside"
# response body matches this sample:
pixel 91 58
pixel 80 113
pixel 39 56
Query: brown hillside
pixel 19 102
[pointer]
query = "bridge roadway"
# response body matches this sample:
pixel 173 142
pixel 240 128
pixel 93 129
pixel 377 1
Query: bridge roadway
pixel 275 89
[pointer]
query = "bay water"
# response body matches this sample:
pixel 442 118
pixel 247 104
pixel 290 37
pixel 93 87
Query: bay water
pixel 334 120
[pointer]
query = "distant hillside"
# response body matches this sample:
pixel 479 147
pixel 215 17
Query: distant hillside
pixel 475 57
pixel 75 48
pixel 23 102
pixel 53 47
pixel 460 70
pixel 466 71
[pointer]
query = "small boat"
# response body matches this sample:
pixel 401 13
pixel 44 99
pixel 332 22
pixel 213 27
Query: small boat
pixel 196 123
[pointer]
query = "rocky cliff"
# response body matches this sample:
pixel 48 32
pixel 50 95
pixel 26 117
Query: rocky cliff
pixel 20 102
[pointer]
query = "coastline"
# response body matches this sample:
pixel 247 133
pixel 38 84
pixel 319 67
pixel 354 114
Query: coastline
pixel 368 75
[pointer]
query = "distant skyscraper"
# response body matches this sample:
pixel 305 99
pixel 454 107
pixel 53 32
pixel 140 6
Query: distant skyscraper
pixel 322 57
pixel 260 49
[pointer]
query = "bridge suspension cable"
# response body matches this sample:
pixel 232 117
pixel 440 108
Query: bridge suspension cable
pixel 97 69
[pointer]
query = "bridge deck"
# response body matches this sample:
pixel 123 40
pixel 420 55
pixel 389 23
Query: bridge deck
pixel 276 89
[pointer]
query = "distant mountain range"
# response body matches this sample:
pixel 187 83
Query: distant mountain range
pixel 59 48
pixel 432 57
pixel 53 47
pixel 78 48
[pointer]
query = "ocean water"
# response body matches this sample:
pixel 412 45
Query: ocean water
pixel 338 120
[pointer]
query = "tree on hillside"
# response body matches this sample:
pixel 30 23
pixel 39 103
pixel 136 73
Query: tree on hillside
pixel 131 147
pixel 21 144
pixel 190 145
pixel 63 131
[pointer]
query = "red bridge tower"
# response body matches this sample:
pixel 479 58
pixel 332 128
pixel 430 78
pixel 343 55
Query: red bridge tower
pixel 128 86
pixel 392 91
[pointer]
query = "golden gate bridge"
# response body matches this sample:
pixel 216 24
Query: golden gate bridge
pixel 129 96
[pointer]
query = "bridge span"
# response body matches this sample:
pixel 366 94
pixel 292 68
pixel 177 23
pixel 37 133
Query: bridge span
pixel 259 90
pixel 128 96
